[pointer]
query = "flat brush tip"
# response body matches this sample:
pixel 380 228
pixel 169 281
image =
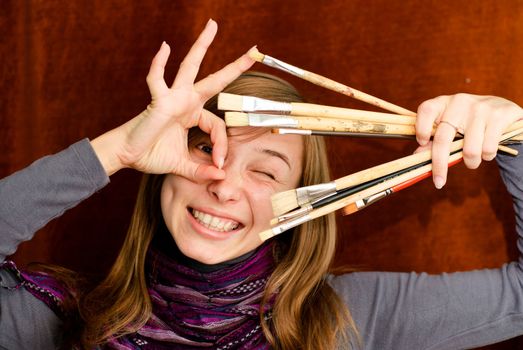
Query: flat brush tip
pixel 283 202
pixel 256 55
pixel 236 119
pixel 265 235
pixel 230 102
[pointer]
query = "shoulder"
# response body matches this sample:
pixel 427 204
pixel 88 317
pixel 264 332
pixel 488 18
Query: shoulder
pixel 40 285
pixel 26 321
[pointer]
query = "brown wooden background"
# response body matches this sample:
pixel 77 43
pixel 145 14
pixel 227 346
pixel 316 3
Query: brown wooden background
pixel 73 69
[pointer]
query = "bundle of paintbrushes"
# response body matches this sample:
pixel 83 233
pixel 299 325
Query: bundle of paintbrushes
pixel 352 192
pixel 312 119
pixel 356 191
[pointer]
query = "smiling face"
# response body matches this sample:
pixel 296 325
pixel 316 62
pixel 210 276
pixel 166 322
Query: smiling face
pixel 215 221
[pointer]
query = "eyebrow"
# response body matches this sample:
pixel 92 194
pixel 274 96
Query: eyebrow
pixel 277 154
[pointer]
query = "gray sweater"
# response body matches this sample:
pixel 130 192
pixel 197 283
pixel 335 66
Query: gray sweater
pixel 405 311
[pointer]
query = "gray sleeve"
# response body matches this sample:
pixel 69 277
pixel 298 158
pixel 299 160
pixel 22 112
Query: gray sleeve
pixel 459 310
pixel 31 197
pixel 26 323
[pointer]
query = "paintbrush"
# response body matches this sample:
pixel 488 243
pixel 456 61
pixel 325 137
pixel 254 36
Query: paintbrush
pixel 343 202
pixel 283 202
pixel 381 122
pixel 237 119
pixel 240 103
pixel 317 203
pixel 304 132
pixel 283 131
pixel 327 83
pixel 365 202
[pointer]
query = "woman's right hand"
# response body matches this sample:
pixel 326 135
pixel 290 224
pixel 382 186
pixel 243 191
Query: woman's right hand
pixel 155 141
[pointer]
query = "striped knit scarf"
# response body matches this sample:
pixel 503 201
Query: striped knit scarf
pixel 203 310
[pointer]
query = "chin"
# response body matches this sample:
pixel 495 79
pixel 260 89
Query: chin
pixel 204 255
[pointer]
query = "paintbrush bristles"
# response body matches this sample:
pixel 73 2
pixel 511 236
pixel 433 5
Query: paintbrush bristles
pixel 256 55
pixel 230 102
pixel 283 202
pixel 236 119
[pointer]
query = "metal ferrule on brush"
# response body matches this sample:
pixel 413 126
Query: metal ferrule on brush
pixel 298 212
pixel 261 105
pixel 276 63
pixel 307 194
pixel 287 225
pixel 372 199
pixel 268 120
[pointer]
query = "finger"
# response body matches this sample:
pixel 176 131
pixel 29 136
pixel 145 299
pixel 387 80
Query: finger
pixel 201 172
pixel 214 83
pixel 216 129
pixel 423 148
pixel 493 132
pixel 155 80
pixel 191 63
pixel 440 153
pixel 448 123
pixel 473 142
pixel 429 112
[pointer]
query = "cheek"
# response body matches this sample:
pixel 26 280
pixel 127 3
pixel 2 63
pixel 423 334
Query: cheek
pixel 260 202
pixel 172 192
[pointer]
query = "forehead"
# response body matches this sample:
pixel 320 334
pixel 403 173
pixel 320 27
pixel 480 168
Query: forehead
pixel 262 139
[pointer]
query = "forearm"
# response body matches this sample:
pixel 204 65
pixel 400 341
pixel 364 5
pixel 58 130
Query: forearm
pixel 446 311
pixel 31 197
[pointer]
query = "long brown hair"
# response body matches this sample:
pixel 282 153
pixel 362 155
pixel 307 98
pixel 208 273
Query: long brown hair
pixel 307 313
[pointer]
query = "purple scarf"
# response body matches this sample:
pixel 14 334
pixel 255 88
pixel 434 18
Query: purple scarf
pixel 192 308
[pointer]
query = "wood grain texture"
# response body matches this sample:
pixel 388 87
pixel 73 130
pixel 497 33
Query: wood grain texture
pixel 73 69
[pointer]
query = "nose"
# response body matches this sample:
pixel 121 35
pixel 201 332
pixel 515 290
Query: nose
pixel 228 189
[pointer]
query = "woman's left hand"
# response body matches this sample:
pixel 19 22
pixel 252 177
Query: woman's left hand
pixel 481 119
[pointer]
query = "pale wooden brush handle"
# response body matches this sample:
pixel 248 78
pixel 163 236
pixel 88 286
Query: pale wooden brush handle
pixel 377 188
pixel 315 110
pixel 359 95
pixel 328 124
pixel 402 163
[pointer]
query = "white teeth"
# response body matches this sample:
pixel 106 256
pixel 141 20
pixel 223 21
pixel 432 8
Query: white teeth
pixel 214 223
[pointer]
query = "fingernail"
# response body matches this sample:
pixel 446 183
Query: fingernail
pixel 439 182
pixel 209 22
pixel 220 162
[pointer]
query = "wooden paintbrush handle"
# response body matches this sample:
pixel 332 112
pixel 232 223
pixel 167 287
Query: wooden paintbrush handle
pixel 316 213
pixel 359 95
pixel 402 163
pixel 315 110
pixel 331 124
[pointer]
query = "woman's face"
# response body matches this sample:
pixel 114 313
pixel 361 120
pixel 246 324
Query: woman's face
pixel 215 221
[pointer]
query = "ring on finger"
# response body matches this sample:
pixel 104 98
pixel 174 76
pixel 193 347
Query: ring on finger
pixel 456 128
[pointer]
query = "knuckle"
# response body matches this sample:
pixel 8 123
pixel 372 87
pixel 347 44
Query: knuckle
pixel 488 156
pixel 472 163
pixel 471 153
pixel 426 108
pixel 489 149
pixel 489 152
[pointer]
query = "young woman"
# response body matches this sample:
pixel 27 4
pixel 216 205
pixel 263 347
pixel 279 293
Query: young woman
pixel 192 272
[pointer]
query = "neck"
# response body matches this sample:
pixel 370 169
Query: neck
pixel 164 242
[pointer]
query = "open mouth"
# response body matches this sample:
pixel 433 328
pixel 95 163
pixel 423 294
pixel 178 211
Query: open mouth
pixel 215 223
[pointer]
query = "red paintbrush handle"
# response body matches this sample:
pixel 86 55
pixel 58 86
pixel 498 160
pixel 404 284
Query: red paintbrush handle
pixel 354 207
